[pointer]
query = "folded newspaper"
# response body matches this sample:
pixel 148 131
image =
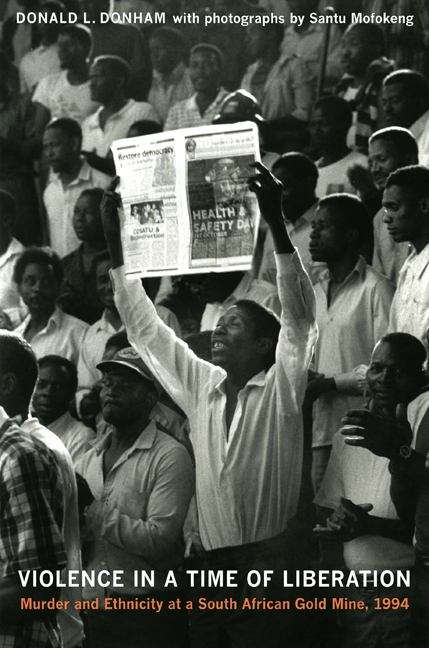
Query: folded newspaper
pixel 186 204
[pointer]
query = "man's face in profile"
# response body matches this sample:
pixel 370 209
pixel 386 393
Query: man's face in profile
pixel 226 180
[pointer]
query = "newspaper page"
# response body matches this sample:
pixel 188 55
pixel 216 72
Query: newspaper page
pixel 186 204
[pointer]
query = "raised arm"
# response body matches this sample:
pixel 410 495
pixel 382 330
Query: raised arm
pixel 298 327
pixel 182 374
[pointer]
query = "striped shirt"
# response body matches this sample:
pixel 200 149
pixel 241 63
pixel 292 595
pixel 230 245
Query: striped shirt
pixel 186 113
pixel 365 110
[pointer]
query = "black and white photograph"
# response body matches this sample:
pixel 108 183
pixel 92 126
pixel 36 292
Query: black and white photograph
pixel 214 324
pixel 148 213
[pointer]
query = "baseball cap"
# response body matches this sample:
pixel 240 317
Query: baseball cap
pixel 239 106
pixel 129 358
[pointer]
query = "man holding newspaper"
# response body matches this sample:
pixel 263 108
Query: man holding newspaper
pixel 244 412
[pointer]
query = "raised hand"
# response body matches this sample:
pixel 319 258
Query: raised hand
pixel 269 191
pixel 382 435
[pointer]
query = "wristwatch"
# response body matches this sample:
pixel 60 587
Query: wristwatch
pixel 405 452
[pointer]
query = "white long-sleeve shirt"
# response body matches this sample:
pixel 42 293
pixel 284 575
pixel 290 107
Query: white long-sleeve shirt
pixel 356 318
pixel 247 487
pixel 410 306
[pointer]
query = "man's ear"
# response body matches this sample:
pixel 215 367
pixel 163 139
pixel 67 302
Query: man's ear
pixel 424 205
pixel 76 144
pixel 151 398
pixel 264 346
pixel 8 385
pixel 409 160
pixel 352 237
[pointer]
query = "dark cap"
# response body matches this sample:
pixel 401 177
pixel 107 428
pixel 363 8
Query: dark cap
pixel 239 106
pixel 129 358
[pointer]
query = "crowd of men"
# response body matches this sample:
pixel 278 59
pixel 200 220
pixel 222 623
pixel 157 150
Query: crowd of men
pixel 268 420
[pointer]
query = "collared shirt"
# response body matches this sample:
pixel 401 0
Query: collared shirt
pixel 333 177
pixel 410 306
pixel 95 138
pixel 69 621
pixel 186 113
pixel 60 200
pixel 170 420
pixel 265 436
pixel 299 233
pixel 167 91
pixel 38 64
pixel 77 437
pixel 360 476
pixel 10 300
pixel 63 99
pixel 388 256
pixel 31 519
pixel 349 328
pixel 288 88
pixel 137 516
pixel 257 290
pixel 63 335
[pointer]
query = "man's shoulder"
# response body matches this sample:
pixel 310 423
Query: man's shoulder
pixel 418 409
pixel 78 428
pixel 91 120
pixel 47 438
pixel 99 179
pixel 356 157
pixel 181 105
pixel 73 322
pixel 378 220
pixel 375 280
pixel 70 259
pixel 140 110
pixel 17 446
pixel 168 448
pixel 50 81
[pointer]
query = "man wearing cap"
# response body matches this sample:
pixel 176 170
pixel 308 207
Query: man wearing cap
pixel 142 483
pixel 205 67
